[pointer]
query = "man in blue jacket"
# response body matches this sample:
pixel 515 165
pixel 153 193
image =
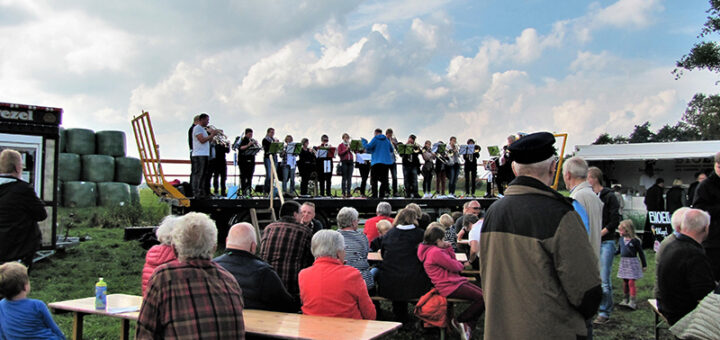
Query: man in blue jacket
pixel 382 157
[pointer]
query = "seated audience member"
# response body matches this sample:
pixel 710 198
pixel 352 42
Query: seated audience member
pixel 402 277
pixel 383 212
pixel 307 217
pixel 329 288
pixel 469 208
pixel 382 226
pixel 676 224
pixel 684 276
pixel 424 221
pixel 286 246
pixel 470 223
pixel 20 317
pixel 356 244
pixel 160 253
pixel 450 233
pixel 444 271
pixel 260 284
pixel 702 322
pixel 193 297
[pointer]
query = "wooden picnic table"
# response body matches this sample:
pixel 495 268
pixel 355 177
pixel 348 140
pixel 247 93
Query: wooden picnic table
pixel 375 256
pixel 257 322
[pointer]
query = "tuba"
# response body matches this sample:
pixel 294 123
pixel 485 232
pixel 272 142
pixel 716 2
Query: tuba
pixel 220 137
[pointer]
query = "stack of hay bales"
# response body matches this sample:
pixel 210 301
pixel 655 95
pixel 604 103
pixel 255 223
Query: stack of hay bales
pixel 94 171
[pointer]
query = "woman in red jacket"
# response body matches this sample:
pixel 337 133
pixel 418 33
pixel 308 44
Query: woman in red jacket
pixel 161 253
pixel 330 288
pixel 444 270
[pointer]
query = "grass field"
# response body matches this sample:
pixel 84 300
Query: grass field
pixel 72 274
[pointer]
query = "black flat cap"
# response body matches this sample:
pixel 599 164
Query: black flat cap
pixel 533 148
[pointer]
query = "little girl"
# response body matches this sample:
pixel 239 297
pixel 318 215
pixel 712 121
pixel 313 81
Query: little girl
pixel 20 317
pixel 629 269
pixel 444 270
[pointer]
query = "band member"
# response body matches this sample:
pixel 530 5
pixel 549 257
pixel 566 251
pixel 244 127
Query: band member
pixel 492 169
pixel 411 166
pixel 471 167
pixel 452 167
pixel 440 160
pixel 246 161
pixel 196 120
pixel 218 168
pixel 505 174
pixel 427 168
pixel 324 166
pixel 346 161
pixel 382 157
pixel 393 166
pixel 288 168
pixel 200 157
pixel 306 165
pixel 363 164
pixel 269 139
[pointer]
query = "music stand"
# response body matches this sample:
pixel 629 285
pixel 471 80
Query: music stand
pixel 438 148
pixel 405 149
pixel 356 145
pixel 293 148
pixel 326 152
pixel 276 147
pixel 493 150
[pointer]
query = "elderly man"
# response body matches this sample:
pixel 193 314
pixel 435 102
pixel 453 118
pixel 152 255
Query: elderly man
pixel 286 246
pixel 192 298
pixel 382 212
pixel 329 288
pixel 676 224
pixel 684 276
pixel 307 217
pixel 383 157
pixel 707 197
pixel 261 286
pixel 469 208
pixel 356 244
pixel 575 171
pixel 699 177
pixel 20 212
pixel 535 231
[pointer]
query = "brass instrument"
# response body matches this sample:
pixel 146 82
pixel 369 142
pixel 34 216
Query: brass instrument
pixel 220 137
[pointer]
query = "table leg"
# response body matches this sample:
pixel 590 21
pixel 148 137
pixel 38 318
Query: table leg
pixel 78 325
pixel 125 329
pixel 657 326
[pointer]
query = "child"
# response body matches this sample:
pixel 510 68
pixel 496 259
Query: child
pixel 450 233
pixel 20 317
pixel 444 270
pixel 382 226
pixel 629 269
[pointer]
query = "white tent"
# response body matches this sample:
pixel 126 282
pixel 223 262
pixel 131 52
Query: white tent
pixel 648 151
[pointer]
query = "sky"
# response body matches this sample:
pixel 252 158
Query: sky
pixel 480 69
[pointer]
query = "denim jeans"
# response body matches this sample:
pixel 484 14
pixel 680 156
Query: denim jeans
pixel 393 173
pixel 200 175
pixel 607 253
pixel 268 173
pixel 288 175
pixel 410 179
pixel 452 172
pixel 346 183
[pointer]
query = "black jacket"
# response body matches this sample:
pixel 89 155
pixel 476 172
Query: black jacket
pixel 610 213
pixel 20 212
pixel 654 199
pixel 260 284
pixel 402 276
pixel 674 198
pixel 707 197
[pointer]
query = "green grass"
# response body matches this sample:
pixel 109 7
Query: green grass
pixel 72 274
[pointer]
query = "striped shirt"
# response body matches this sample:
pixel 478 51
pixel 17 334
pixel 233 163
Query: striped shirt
pixel 356 252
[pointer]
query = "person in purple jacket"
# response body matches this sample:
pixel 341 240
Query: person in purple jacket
pixel 440 264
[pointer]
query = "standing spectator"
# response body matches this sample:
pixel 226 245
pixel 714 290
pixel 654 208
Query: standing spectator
pixel 246 161
pixel 266 142
pixel 675 196
pixel 654 201
pixel 160 253
pixel 306 165
pixel 630 269
pixel 411 166
pixel 383 156
pixel 20 212
pixel 382 212
pixel 286 246
pixel 201 156
pixel 356 244
pixel 261 286
pixel 346 161
pixel 684 276
pixel 699 177
pixel 535 231
pixel 707 197
pixel 193 297
pixel 610 221
pixel 470 168
pixel 329 288
pixel 218 168
pixel 575 171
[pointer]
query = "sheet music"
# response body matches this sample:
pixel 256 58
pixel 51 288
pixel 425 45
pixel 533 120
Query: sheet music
pixel 290 148
pixel 322 153
pixel 364 157
pixel 327 166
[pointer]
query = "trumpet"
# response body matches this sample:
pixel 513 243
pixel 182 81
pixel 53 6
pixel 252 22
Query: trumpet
pixel 220 137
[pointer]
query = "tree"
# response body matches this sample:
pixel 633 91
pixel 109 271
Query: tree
pixel 678 133
pixel 702 114
pixel 604 139
pixel 705 54
pixel 642 134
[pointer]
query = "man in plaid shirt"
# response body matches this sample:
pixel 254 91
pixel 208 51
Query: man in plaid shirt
pixel 193 297
pixel 286 246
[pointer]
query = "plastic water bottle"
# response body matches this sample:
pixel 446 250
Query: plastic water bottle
pixel 100 294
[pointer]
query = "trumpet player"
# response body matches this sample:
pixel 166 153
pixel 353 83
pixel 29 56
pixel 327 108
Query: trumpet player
pixel 452 167
pixel 411 166
pixel 218 166
pixel 471 167
pixel 200 176
pixel 269 139
pixel 246 161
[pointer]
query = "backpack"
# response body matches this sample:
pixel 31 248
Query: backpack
pixel 432 309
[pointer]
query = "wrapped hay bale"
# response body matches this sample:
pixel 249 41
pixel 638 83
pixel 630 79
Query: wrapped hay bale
pixel 69 167
pixel 59 193
pixel 77 194
pixel 113 194
pixel 61 140
pixel 98 168
pixel 134 194
pixel 80 141
pixel 111 143
pixel 128 170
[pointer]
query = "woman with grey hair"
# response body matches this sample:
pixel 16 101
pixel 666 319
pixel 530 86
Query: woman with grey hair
pixel 161 253
pixel 356 244
pixel 329 288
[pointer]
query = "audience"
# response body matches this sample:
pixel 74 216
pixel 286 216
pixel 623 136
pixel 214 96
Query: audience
pixel 382 226
pixel 424 221
pixel 261 286
pixel 470 223
pixel 356 244
pixel 329 288
pixel 192 297
pixel 383 212
pixel 286 246
pixel 161 253
pixel 684 275
pixel 307 217
pixel 469 208
pixel 20 317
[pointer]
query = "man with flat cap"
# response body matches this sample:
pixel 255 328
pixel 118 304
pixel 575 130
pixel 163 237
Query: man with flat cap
pixel 538 270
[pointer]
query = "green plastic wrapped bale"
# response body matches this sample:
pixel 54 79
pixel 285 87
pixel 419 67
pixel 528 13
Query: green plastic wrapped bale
pixel 79 194
pixel 128 170
pixel 61 139
pixel 59 193
pixel 113 194
pixel 111 143
pixel 98 168
pixel 134 194
pixel 69 167
pixel 80 141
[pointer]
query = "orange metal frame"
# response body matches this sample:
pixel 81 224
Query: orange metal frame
pixel 148 149
pixel 561 157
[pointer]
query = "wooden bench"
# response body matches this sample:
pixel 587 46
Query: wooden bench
pixel 450 305
pixel 659 318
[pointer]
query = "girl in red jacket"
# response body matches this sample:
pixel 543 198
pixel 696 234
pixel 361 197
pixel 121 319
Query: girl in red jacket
pixel 444 270
pixel 161 253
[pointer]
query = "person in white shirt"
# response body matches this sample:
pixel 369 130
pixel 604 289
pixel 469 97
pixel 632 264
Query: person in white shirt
pixel 200 179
